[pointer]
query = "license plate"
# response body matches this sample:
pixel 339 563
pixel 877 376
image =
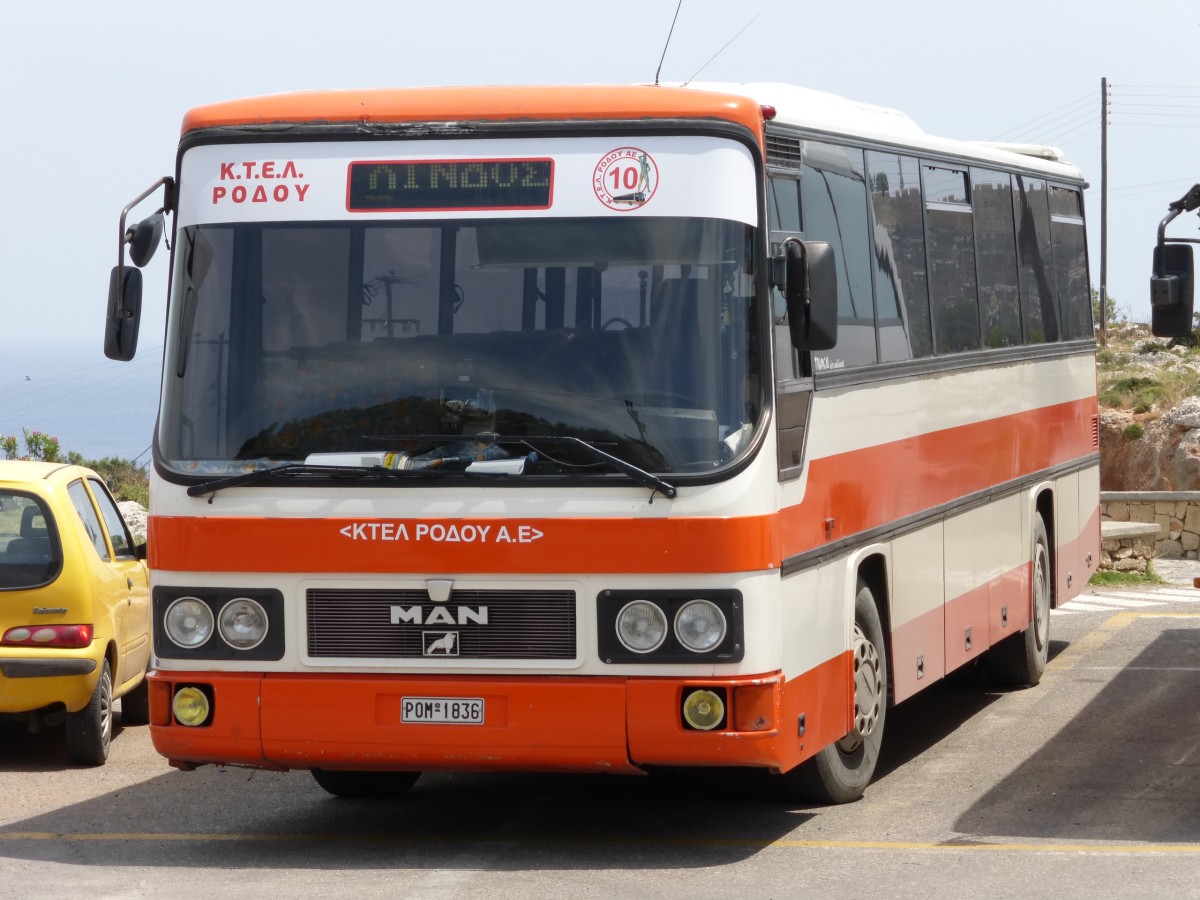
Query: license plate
pixel 441 710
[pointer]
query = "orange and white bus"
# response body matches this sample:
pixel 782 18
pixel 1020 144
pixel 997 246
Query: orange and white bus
pixel 603 429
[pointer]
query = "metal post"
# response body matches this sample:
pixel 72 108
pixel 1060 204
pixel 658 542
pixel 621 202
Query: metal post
pixel 1103 211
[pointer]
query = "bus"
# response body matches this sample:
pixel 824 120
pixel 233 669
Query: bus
pixel 602 429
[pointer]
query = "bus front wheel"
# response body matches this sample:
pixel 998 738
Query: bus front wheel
pixel 841 772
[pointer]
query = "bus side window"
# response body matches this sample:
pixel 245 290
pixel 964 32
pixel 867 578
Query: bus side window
pixel 901 278
pixel 833 195
pixel 1070 263
pixel 1036 261
pixel 996 248
pixel 783 216
pixel 952 279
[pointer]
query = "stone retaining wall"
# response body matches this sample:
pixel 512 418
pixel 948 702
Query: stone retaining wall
pixel 1176 513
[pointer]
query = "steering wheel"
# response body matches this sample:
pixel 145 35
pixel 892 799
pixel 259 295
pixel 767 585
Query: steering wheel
pixel 616 320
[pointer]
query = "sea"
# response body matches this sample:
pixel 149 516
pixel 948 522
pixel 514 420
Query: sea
pixel 94 406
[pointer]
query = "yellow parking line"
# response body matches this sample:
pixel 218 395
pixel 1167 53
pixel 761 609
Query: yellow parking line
pixel 1094 640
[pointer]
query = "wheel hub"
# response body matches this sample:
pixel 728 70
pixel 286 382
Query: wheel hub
pixel 868 692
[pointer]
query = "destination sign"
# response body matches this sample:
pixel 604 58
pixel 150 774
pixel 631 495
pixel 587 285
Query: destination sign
pixel 448 184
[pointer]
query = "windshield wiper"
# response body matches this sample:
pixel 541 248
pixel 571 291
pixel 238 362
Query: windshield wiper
pixel 306 469
pixel 259 476
pixel 641 476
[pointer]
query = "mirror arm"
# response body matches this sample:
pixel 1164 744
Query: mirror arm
pixel 124 236
pixel 1162 239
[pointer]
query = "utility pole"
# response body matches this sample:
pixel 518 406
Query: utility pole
pixel 1104 212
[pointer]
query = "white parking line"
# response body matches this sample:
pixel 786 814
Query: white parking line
pixel 1113 600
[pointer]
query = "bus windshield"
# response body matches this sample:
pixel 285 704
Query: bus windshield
pixel 409 343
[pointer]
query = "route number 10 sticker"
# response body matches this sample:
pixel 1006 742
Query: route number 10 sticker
pixel 625 178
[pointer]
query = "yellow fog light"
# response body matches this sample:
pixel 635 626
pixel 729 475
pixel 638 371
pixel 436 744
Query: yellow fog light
pixel 191 706
pixel 703 710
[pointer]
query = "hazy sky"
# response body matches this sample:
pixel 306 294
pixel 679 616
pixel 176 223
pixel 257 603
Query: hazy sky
pixel 93 94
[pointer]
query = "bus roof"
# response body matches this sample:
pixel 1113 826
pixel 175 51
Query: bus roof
pixel 743 104
pixel 481 104
pixel 824 112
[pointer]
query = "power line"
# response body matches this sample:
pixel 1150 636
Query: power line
pixel 1072 106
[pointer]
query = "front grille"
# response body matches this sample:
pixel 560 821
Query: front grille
pixel 360 624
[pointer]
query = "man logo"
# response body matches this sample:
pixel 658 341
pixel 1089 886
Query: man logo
pixel 444 643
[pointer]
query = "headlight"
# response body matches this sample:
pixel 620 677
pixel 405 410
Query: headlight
pixel 188 622
pixel 191 706
pixel 243 623
pixel 703 710
pixel 641 626
pixel 700 625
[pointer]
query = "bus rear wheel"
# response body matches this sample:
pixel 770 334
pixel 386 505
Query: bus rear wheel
pixel 365 785
pixel 841 772
pixel 1021 659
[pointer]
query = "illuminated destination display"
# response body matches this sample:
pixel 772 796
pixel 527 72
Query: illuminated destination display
pixel 448 184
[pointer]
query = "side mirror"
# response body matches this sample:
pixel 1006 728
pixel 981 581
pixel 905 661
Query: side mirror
pixel 810 287
pixel 124 313
pixel 125 283
pixel 1172 298
pixel 144 239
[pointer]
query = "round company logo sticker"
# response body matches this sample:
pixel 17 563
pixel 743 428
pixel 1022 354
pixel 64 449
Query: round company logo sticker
pixel 625 178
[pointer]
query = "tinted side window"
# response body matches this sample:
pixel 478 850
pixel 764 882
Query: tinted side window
pixel 1070 263
pixel 996 249
pixel 118 533
pixel 952 284
pixel 87 514
pixel 783 215
pixel 833 194
pixel 1035 261
pixel 900 248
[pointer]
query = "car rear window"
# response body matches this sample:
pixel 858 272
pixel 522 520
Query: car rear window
pixel 30 552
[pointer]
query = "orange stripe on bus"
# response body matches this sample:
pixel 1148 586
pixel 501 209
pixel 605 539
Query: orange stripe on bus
pixel 544 546
pixel 870 487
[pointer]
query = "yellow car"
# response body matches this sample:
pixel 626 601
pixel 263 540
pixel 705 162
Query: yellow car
pixel 74 606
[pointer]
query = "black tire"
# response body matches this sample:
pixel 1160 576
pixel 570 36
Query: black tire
pixel 89 731
pixel 841 772
pixel 365 785
pixel 135 706
pixel 1021 658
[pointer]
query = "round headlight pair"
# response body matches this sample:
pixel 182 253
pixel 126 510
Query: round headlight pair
pixel 242 623
pixel 642 626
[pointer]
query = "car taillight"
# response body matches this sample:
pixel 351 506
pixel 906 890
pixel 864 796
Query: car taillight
pixel 73 636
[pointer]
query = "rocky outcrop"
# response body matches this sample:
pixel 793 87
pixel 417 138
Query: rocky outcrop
pixel 1157 455
pixel 134 515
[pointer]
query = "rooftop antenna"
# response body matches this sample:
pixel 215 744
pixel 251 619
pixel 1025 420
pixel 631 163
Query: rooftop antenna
pixel 658 71
pixel 722 50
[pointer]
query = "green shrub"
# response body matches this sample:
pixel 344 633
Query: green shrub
pixel 1133 431
pixel 125 479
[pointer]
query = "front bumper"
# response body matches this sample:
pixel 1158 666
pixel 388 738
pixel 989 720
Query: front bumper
pixel 546 723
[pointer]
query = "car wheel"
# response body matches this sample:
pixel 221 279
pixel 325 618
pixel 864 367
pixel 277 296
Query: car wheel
pixel 89 731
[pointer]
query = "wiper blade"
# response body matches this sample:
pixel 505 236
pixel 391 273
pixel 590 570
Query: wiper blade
pixel 641 476
pixel 289 470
